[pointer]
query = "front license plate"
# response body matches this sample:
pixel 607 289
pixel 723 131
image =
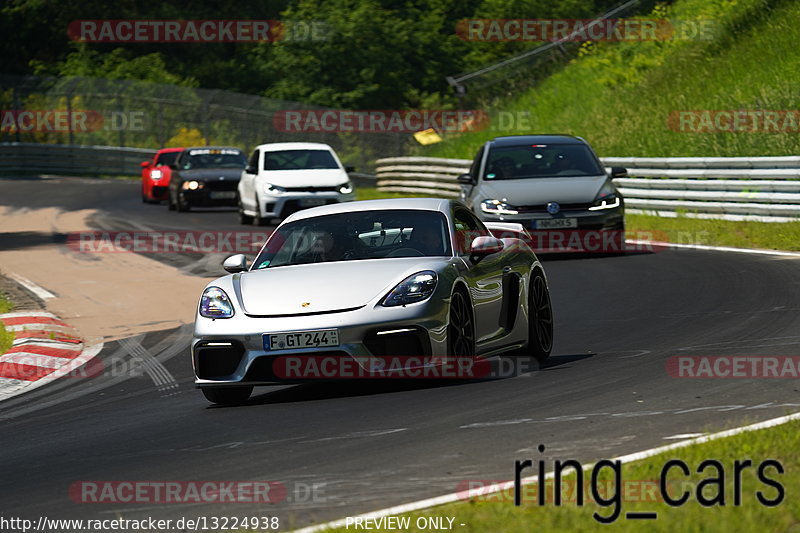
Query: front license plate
pixel 301 339
pixel 222 195
pixel 556 223
pixel 311 202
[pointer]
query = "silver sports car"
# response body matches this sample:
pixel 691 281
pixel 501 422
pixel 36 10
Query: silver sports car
pixel 358 281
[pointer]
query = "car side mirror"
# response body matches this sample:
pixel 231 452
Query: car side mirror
pixel 235 263
pixel 465 179
pixel 250 170
pixel 349 169
pixel 144 164
pixel 485 245
pixel 619 172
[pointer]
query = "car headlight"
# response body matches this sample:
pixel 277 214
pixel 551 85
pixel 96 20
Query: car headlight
pixel 192 185
pixel 273 189
pixel 215 304
pixel 498 207
pixel 346 188
pixel 414 288
pixel 606 201
pixel 156 174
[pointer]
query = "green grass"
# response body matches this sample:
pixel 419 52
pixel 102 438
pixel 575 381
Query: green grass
pixel 619 95
pixel 6 337
pixel 371 193
pixel 780 443
pixel 744 234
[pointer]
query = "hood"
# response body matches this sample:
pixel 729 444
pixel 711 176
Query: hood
pixel 325 287
pixel 206 174
pixel 321 177
pixel 534 191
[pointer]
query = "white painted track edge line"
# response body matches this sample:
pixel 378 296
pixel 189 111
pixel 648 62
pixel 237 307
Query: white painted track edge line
pixel 41 292
pixel 756 251
pixel 497 487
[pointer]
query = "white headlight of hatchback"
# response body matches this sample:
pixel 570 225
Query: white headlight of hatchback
pixel 156 174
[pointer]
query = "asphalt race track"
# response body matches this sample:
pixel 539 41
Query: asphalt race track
pixel 365 446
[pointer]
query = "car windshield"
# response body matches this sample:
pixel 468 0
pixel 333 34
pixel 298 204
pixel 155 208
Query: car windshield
pixel 214 158
pixel 167 158
pixel 541 161
pixel 356 236
pixel 299 160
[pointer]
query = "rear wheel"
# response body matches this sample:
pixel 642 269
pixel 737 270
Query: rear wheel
pixel 227 395
pixel 540 318
pixel 460 327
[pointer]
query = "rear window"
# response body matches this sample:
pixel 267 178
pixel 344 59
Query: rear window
pixel 541 161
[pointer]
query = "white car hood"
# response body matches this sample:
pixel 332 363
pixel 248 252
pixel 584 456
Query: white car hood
pixel 327 177
pixel 325 287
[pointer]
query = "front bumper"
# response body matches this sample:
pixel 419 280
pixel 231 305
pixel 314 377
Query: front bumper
pixel 228 352
pixel 284 204
pixel 209 197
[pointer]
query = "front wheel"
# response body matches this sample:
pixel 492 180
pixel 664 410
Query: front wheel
pixel 228 395
pixel 460 327
pixel 258 220
pixel 183 205
pixel 244 219
pixel 540 318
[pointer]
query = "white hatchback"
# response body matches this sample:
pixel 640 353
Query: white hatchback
pixel 282 178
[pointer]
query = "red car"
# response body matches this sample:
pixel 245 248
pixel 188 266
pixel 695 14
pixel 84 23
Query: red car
pixel 156 174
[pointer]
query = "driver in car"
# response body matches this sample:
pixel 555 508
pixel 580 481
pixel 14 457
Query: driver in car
pixel 426 239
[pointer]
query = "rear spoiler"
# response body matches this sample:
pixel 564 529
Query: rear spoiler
pixel 505 230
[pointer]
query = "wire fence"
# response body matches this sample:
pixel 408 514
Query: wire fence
pixel 91 111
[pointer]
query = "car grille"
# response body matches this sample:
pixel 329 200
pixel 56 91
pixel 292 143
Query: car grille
pixel 293 206
pixel 221 185
pixel 218 361
pixel 542 208
pixel 312 189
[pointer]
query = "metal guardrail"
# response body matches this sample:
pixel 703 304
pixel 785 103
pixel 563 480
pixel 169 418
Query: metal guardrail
pixel 730 188
pixel 30 158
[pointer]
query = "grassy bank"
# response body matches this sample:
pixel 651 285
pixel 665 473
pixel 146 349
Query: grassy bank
pixel 620 96
pixel 743 234
pixel 641 494
pixel 6 337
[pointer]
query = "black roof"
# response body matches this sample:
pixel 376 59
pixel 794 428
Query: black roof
pixel 516 140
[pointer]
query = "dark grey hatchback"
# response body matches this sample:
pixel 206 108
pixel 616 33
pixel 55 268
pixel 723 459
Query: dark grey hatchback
pixel 544 182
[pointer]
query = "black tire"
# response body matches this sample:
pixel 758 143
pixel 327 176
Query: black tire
pixel 183 206
pixel 227 395
pixel 257 219
pixel 244 219
pixel 540 318
pixel 170 202
pixel 460 327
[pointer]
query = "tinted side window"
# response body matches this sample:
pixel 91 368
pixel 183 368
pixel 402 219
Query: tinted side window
pixel 467 227
pixel 253 163
pixel 476 163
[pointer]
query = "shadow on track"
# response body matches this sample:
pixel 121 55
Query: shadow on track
pixel 503 367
